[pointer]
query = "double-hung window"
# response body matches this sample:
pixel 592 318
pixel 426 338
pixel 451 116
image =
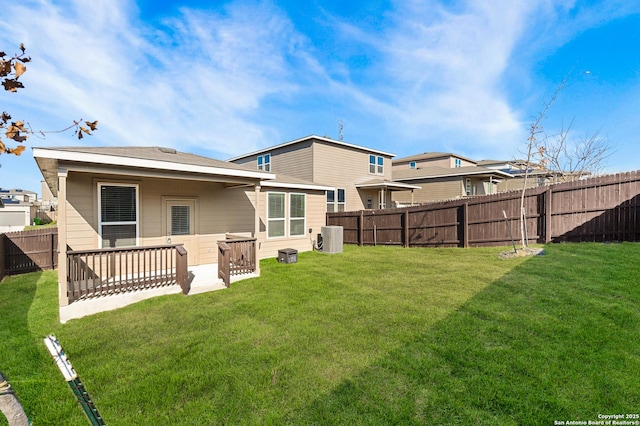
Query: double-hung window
pixel 279 214
pixel 275 214
pixel 457 162
pixel 118 221
pixel 264 162
pixel 336 200
pixel 376 165
pixel 297 214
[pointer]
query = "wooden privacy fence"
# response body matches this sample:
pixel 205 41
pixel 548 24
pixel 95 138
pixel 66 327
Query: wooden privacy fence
pixel 103 272
pixel 236 256
pixel 601 209
pixel 28 251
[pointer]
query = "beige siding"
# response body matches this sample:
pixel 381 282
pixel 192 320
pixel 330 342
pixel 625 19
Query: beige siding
pixel 343 167
pixel 293 160
pixel 219 211
pixel 315 219
pixel 432 190
pixel 515 184
pixel 81 218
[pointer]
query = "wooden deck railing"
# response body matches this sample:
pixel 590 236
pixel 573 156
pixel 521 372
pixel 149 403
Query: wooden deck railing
pixel 100 272
pixel 236 256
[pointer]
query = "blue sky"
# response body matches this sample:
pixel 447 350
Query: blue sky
pixel 223 78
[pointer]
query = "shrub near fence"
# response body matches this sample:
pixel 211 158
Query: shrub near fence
pixel 28 251
pixel 603 208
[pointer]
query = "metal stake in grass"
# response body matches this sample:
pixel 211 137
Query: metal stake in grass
pixel 509 229
pixel 71 377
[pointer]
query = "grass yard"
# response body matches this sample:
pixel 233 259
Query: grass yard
pixel 375 335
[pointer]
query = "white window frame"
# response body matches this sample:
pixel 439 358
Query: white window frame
pixel 291 217
pixel 264 162
pixel 468 188
pixel 412 165
pixel 376 164
pixel 282 219
pixel 101 223
pixel 287 216
pixel 336 203
pixel 457 162
pixel 331 203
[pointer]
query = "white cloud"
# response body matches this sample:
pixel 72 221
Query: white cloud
pixel 196 82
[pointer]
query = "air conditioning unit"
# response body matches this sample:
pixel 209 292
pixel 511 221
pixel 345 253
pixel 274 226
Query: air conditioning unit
pixel 331 239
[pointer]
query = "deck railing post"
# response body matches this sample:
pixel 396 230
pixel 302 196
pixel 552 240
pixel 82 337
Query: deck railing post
pixel 182 273
pixel 224 264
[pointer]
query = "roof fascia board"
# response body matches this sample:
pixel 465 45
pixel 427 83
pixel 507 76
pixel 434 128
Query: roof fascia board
pixel 482 172
pixel 272 184
pixel 389 185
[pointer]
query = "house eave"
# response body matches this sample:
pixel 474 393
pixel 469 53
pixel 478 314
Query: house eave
pixel 302 186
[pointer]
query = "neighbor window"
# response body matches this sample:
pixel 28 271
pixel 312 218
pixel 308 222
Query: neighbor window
pixel 275 214
pixel 376 164
pixel 297 216
pixel 467 186
pixel 264 162
pixel 118 221
pixel 457 162
pixel 412 165
pixel 336 200
pixel 331 201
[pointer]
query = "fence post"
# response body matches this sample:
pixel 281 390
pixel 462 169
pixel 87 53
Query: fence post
pixel 464 238
pixel 405 227
pixel 361 228
pixel 547 215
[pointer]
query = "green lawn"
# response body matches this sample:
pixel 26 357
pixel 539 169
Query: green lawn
pixel 375 335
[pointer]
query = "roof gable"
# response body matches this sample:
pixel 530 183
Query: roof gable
pixel 314 138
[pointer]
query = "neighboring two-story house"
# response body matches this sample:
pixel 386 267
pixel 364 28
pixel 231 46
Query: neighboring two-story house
pixel 361 177
pixel 443 176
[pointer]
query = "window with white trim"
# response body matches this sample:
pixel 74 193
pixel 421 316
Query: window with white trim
pixel 457 162
pixel 412 165
pixel 336 200
pixel 264 162
pixel 275 214
pixel 297 214
pixel 118 217
pixel 376 165
pixel 331 201
pixel 286 214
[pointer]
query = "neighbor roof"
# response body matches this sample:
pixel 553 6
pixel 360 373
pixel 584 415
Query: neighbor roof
pixel 431 156
pixel 319 138
pixel 387 184
pixel 438 172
